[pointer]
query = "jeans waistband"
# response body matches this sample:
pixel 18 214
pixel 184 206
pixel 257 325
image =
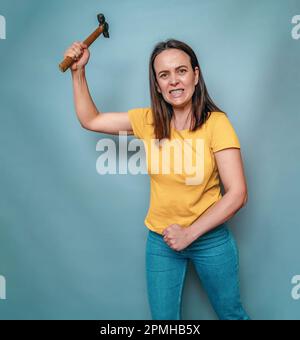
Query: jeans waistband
pixel 219 230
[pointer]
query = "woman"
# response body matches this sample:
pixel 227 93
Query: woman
pixel 187 215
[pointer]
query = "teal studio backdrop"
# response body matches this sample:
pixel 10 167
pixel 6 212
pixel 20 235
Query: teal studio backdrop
pixel 72 241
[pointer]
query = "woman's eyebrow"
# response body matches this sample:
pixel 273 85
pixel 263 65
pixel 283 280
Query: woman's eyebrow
pixel 175 69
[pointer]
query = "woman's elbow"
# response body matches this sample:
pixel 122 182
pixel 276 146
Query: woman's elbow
pixel 240 198
pixel 243 198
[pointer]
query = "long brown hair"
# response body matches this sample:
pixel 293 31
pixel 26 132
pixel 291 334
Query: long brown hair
pixel 202 104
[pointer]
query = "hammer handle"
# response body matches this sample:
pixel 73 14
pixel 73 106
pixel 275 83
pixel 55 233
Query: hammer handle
pixel 68 61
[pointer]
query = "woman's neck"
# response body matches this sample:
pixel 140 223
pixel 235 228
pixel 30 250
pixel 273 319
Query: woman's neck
pixel 181 117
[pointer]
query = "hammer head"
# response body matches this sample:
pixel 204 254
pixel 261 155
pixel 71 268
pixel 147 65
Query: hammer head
pixel 101 19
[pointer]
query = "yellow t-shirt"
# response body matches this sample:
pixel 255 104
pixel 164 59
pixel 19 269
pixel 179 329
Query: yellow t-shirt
pixel 183 173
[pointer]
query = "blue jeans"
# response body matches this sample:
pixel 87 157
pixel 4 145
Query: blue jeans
pixel 215 258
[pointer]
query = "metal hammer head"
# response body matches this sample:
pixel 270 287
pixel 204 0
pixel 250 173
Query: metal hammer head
pixel 101 19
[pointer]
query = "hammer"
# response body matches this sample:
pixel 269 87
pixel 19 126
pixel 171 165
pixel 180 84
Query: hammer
pixel 103 28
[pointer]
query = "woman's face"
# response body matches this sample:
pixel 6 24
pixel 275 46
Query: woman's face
pixel 175 76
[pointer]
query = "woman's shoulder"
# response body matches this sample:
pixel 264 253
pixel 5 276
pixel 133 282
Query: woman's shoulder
pixel 148 115
pixel 143 114
pixel 214 117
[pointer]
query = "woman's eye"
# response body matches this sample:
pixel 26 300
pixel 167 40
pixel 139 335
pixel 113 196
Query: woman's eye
pixel 163 75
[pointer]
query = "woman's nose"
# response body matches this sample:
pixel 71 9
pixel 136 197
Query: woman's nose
pixel 173 80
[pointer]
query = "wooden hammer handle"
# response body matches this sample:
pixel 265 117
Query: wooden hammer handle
pixel 68 61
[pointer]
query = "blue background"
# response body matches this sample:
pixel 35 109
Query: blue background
pixel 72 241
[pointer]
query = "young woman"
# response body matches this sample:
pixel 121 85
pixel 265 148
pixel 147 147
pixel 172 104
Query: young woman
pixel 187 213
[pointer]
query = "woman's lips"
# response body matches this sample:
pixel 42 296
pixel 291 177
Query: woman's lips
pixel 176 93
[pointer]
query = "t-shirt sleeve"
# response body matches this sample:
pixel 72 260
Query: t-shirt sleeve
pixel 137 120
pixel 223 135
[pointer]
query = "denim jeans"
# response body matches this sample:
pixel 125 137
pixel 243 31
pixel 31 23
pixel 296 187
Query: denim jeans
pixel 215 258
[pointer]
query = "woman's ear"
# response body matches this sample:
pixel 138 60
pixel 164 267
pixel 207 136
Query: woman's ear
pixel 158 88
pixel 196 72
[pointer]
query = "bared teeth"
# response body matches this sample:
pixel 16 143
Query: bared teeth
pixel 176 90
pixel 176 93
